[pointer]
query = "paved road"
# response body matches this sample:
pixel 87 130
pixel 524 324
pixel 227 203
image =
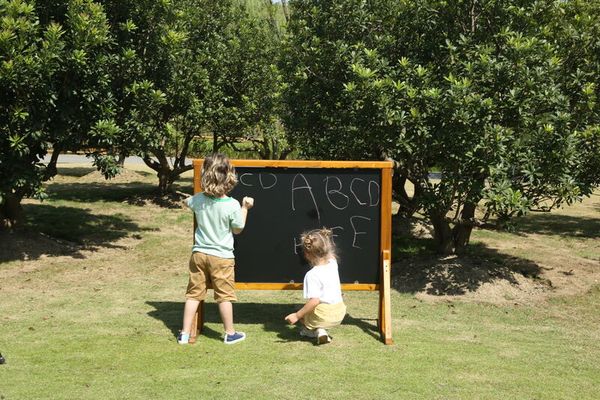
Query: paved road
pixel 82 159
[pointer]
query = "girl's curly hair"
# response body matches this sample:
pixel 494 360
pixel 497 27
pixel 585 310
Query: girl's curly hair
pixel 218 175
pixel 318 245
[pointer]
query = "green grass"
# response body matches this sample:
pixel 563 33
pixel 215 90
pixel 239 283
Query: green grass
pixel 118 342
pixel 100 323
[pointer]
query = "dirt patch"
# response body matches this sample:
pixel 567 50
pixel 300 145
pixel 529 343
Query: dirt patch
pixel 553 254
pixel 509 281
pixel 169 200
pixel 125 176
pixel 27 246
pixel 472 278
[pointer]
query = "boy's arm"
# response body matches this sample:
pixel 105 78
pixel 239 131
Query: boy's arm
pixel 185 201
pixel 310 305
pixel 247 203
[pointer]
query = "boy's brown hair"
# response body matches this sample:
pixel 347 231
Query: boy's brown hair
pixel 318 245
pixel 218 175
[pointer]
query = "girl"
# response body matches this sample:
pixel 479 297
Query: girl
pixel 325 307
pixel 218 217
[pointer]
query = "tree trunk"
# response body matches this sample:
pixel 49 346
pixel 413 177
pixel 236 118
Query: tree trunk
pixel 462 230
pixel 121 160
pixel 442 233
pixel 408 205
pixel 51 169
pixel 286 10
pixel 163 171
pixel 11 212
pixel 165 181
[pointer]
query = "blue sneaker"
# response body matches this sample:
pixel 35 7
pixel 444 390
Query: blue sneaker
pixel 183 338
pixel 234 338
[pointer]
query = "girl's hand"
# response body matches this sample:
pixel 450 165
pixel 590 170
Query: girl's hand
pixel 292 318
pixel 247 202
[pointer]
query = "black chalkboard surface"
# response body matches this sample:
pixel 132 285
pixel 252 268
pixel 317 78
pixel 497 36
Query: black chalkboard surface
pixel 289 201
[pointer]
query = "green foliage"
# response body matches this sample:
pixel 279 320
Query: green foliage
pixel 184 68
pixel 117 78
pixel 29 60
pixel 54 84
pixel 485 91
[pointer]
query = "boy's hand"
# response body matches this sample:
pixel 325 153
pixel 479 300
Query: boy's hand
pixel 292 318
pixel 247 202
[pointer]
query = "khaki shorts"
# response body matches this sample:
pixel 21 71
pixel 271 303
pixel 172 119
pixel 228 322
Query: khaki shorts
pixel 206 270
pixel 325 316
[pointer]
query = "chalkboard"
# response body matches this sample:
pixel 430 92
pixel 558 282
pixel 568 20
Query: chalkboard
pixel 292 197
pixel 352 198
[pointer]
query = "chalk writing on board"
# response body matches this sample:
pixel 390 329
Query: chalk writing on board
pixel 306 187
pixel 353 222
pixel 273 178
pixel 335 192
pixel 333 229
pixel 245 179
pixel 362 203
pixel 242 178
pixel 371 185
pixel 298 243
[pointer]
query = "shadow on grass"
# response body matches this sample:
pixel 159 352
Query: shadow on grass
pixel 80 226
pixel 562 225
pixel 90 192
pixel 135 193
pixel 76 172
pixel 454 275
pixel 416 267
pixel 53 231
pixel 269 315
pixel 186 181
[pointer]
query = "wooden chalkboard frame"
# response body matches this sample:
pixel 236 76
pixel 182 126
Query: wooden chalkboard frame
pixel 385 168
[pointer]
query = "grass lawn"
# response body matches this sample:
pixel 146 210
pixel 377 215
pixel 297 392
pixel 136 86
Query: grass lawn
pixel 90 310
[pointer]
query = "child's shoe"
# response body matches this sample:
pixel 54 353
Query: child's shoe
pixel 234 338
pixel 183 338
pixel 311 333
pixel 323 336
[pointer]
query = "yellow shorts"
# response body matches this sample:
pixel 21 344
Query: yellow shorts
pixel 208 270
pixel 325 316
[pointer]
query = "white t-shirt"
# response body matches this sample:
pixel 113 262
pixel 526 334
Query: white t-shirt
pixel 323 282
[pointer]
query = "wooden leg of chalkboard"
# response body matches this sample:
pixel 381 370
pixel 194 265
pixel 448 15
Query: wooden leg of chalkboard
pixel 197 323
pixel 380 311
pixel 385 308
pixel 200 316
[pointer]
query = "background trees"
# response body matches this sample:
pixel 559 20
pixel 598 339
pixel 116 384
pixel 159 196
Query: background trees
pixel 500 98
pixel 484 92
pixel 53 87
pixel 187 71
pixel 130 78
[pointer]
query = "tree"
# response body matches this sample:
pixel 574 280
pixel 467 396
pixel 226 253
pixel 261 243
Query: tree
pixel 52 89
pixel 251 87
pixel 481 91
pixel 29 57
pixel 184 69
pixel 82 85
